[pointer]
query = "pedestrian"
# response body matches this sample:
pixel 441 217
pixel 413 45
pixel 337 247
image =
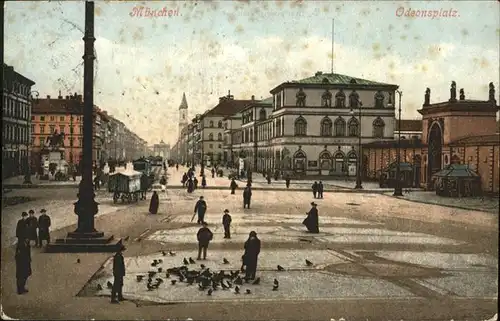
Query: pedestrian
pixel 312 219
pixel 177 167
pixel 204 237
pixel 74 175
pixel 144 185
pixel 315 188
pixel 32 225
pixel 233 185
pixel 200 208
pixel 247 196
pixel 226 222
pixel 22 228
pixel 163 180
pixel 154 203
pixel 268 178
pixel 190 186
pixel 43 227
pixel 203 182
pixel 320 189
pixel 287 181
pixel 195 183
pixel 118 274
pixel 184 179
pixel 213 172
pixel 96 183
pixel 251 255
pixel 23 265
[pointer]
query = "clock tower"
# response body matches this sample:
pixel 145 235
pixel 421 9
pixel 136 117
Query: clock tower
pixel 183 114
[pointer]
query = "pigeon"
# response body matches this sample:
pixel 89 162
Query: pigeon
pixel 202 266
pixel 256 282
pixel 248 291
pixel 185 261
pixel 210 291
pixel 139 278
pixel 173 282
pixel 276 282
pixel 77 260
pixel 280 268
pixel 99 287
pixel 163 253
pixel 229 284
pixel 159 280
pixel 309 263
pixel 160 270
pixel 238 281
pixel 109 285
pixel 225 261
pixel 160 261
pixel 190 281
pixel 150 287
pixel 154 264
pixel 171 253
pixel 223 285
pixel 276 285
pixel 150 280
pixel 167 275
pixel 192 261
pixel 126 239
pixel 151 273
pixel 237 290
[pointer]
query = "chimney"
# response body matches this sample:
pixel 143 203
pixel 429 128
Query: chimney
pixel 59 97
pixel 48 96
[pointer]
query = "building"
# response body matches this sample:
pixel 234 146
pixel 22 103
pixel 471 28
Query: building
pixel 161 149
pixel 183 113
pixel 460 130
pixel 410 129
pixel 16 116
pixel 116 139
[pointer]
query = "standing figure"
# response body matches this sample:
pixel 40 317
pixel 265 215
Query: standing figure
pixel 163 180
pixel 184 179
pixel 203 182
pixel 200 208
pixel 204 237
pixel 118 274
pixel 195 182
pixel 23 265
pixel 226 222
pixel 190 186
pixel 252 250
pixel 268 178
pixel 233 185
pixel 312 220
pixel 74 175
pixel 97 185
pixel 177 166
pixel 154 203
pixel 22 228
pixel 32 225
pixel 320 189
pixel 213 172
pixel 247 196
pixel 144 185
pixel 314 189
pixel 43 227
pixel 287 181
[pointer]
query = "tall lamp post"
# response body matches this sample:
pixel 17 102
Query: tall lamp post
pixel 27 170
pixel 398 190
pixel 360 154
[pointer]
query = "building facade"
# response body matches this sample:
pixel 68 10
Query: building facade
pixel 16 116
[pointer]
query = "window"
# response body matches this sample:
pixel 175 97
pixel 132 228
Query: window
pixel 326 127
pixel 61 128
pixel 81 130
pixel 42 128
pixel 34 141
pixel 42 118
pixel 210 136
pixel 278 128
pixel 340 127
pixel 326 99
pixel 211 124
pixel 220 145
pixel 32 128
pixel 300 127
pixel 80 141
pixel 354 99
pixel 219 136
pixel 52 118
pixel 262 114
pixel 61 118
pixel 32 117
pixel 220 124
pixel 378 128
pixel 353 127
pixel 211 146
pixel 52 128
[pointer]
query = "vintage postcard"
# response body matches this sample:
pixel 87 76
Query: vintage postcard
pixel 250 160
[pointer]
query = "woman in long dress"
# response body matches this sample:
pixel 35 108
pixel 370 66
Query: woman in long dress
pixel 312 220
pixel 154 204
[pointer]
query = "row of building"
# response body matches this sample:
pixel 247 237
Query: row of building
pixel 30 121
pixel 319 125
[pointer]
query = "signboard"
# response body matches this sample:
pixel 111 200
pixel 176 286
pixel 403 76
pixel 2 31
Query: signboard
pixel 352 169
pixel 312 164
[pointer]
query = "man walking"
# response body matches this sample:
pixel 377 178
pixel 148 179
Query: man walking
pixel 320 189
pixel 118 274
pixel 43 227
pixel 204 237
pixel 315 188
pixel 23 265
pixel 200 208
pixel 247 196
pixel 226 222
pixel 32 225
pixel 22 228
pixel 252 250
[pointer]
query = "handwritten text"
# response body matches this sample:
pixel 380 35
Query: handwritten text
pixel 146 12
pixel 430 14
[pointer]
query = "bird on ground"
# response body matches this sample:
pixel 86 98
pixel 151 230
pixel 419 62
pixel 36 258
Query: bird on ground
pixel 163 253
pixel 126 239
pixel 248 291
pixel 159 280
pixel 238 281
pixel 167 275
pixel 280 268
pixel 190 281
pixel 192 261
pixel 185 261
pixel 309 263
pixel 202 266
pixel 99 287
pixel 276 285
pixel 150 280
pixel 160 270
pixel 256 282
pixel 139 278
pixel 181 278
pixel 109 285
pixel 225 261
pixel 237 290
pixel 151 273
pixel 171 253
pixel 173 282
pixel 154 264
pixel 223 285
pixel 77 260
pixel 210 291
pixel 160 261
pixel 150 287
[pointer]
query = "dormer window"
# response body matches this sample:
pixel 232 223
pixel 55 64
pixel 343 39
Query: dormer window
pixel 325 81
pixel 353 81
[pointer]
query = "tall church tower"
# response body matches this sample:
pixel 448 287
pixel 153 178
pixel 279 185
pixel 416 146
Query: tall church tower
pixel 183 113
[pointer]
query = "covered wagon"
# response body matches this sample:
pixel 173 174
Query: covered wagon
pixel 125 185
pixel 457 180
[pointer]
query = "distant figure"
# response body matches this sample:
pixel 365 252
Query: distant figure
pixel 203 182
pixel 250 257
pixel 43 227
pixel 22 228
pixel 204 237
pixel 268 178
pixel 247 196
pixel 177 166
pixel 195 182
pixel 233 186
pixel 32 225
pixel 154 204
pixel 287 181
pixel 144 185
pixel 163 180
pixel 184 179
pixel 118 274
pixel 315 188
pixel 23 265
pixel 226 222
pixel 312 220
pixel 97 183
pixel 320 189
pixel 213 172
pixel 190 186
pixel 201 208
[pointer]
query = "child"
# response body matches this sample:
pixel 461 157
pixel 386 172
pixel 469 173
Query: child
pixel 226 221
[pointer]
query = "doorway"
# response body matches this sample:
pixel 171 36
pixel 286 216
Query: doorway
pixel 435 152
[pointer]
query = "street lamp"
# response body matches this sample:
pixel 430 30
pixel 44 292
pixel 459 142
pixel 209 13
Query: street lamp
pixel 27 170
pixel 358 169
pixel 398 190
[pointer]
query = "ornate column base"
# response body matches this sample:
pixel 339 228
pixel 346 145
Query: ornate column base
pixel 81 242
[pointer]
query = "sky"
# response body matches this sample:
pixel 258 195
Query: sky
pixel 144 64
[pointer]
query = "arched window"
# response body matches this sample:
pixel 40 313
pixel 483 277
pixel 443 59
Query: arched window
pixel 340 127
pixel 220 124
pixel 300 127
pixel 326 127
pixel 210 136
pixel 262 114
pixel 378 128
pixel 353 127
pixel 219 136
pixel 211 124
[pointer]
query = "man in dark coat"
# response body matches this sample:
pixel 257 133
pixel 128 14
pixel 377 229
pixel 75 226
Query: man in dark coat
pixel 23 265
pixel 320 189
pixel 118 274
pixel 190 186
pixel 268 178
pixel 203 182
pixel 287 181
pixel 22 228
pixel 144 185
pixel 226 222
pixel 201 208
pixel 97 182
pixel 213 172
pixel 204 237
pixel 247 196
pixel 176 166
pixel 195 183
pixel 312 219
pixel 314 188
pixel 32 225
pixel 233 185
pixel 43 227
pixel 252 250
pixel 154 203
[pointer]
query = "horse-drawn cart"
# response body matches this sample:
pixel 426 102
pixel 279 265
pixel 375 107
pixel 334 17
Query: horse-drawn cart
pixel 125 185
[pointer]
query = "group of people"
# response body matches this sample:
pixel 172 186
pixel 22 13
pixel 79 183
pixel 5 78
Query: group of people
pixel 317 189
pixel 190 181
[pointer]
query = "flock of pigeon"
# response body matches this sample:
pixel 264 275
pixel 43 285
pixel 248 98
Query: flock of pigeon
pixel 205 279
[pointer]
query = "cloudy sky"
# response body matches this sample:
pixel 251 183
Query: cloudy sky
pixel 144 64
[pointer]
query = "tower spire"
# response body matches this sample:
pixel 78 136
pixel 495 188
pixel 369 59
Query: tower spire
pixel 184 104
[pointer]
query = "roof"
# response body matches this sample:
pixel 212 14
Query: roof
pixel 73 105
pixel 478 140
pixel 456 170
pixel 403 166
pixel 268 102
pixel 7 69
pixel 405 143
pixel 411 125
pixel 184 104
pixel 227 107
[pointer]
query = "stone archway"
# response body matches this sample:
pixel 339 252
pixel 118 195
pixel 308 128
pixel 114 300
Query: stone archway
pixel 299 161
pixel 325 162
pixel 435 151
